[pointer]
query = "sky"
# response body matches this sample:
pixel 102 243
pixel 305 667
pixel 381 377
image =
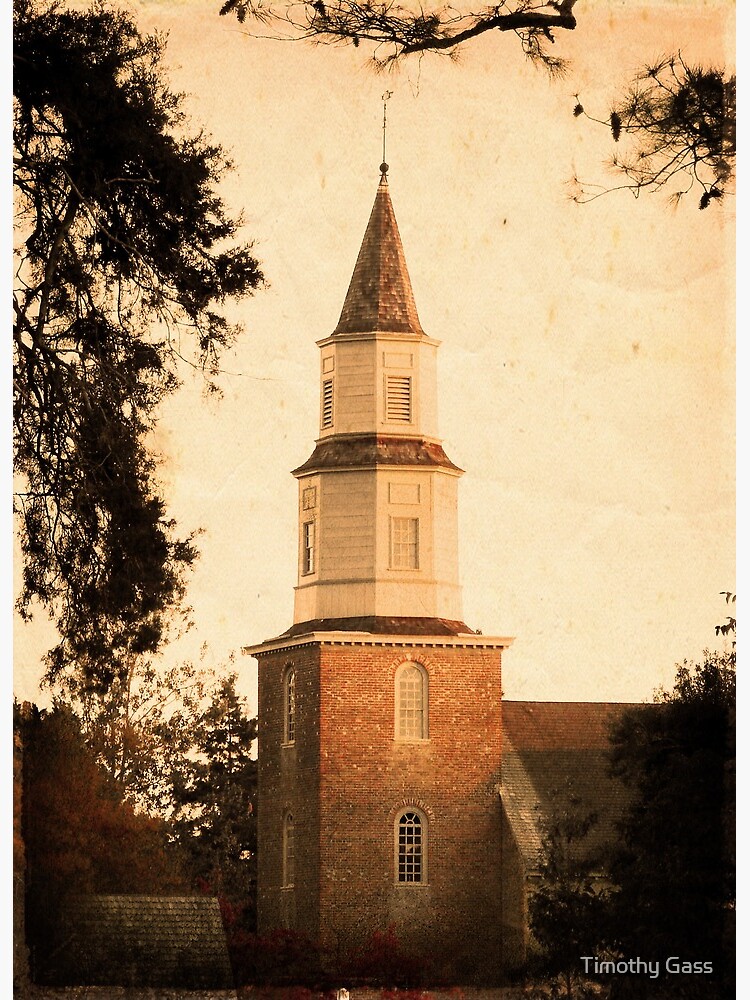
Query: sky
pixel 586 373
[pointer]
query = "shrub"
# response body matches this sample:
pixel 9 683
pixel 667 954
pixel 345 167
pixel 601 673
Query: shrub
pixel 383 959
pixel 279 958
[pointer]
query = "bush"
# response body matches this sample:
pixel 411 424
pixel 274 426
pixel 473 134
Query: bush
pixel 383 959
pixel 279 958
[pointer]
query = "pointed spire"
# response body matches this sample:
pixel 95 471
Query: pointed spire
pixel 380 295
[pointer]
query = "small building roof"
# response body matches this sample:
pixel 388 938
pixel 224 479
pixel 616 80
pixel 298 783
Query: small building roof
pixel 380 296
pixel 149 941
pixel 553 751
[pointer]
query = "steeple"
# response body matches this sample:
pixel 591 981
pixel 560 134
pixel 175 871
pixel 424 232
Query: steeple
pixel 379 708
pixel 380 296
pixel 377 511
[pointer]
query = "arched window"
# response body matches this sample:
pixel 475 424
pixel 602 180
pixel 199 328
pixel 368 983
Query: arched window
pixel 411 702
pixel 290 704
pixel 287 875
pixel 411 846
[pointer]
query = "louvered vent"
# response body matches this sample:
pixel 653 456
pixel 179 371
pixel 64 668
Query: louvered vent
pixel 328 403
pixel 398 399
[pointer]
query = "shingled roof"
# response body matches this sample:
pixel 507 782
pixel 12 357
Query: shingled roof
pixel 380 625
pixel 380 297
pixel 150 941
pixel 358 451
pixel 550 751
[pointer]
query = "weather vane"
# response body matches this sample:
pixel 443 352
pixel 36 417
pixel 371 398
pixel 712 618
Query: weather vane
pixel 386 97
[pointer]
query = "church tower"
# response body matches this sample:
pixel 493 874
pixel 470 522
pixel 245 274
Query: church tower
pixel 379 709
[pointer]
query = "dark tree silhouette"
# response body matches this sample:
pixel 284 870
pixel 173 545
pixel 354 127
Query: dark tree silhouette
pixel 678 126
pixel 214 794
pixel 674 870
pixel 125 254
pixel 566 908
pixel 396 31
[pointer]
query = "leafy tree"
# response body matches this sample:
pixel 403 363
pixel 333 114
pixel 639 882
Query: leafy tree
pixel 396 31
pixel 143 728
pixel 179 744
pixel 566 908
pixel 679 124
pixel 215 797
pixel 125 254
pixel 80 834
pixel 674 870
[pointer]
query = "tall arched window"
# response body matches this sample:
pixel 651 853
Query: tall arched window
pixel 287 875
pixel 411 702
pixel 290 704
pixel 411 846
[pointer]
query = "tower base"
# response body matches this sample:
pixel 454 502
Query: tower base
pixel 348 778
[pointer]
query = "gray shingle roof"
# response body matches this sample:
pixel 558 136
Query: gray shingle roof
pixel 380 296
pixel 147 941
pixel 552 750
pixel 380 625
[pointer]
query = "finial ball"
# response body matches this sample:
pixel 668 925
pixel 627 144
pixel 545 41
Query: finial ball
pixel 384 168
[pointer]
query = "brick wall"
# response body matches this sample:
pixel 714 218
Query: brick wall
pixel 347 778
pixel 289 781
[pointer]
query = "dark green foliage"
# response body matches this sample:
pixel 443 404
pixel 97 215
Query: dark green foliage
pixel 124 254
pixel 566 908
pixel 675 866
pixel 214 797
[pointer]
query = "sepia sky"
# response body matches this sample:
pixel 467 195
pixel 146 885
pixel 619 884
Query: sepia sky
pixel 586 372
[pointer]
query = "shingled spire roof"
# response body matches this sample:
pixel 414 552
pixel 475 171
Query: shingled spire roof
pixel 380 295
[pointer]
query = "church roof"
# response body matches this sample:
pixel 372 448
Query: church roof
pixel 553 751
pixel 380 297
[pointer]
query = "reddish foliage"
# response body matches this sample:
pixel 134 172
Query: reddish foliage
pixel 383 959
pixel 280 957
pixel 79 834
pixel 396 994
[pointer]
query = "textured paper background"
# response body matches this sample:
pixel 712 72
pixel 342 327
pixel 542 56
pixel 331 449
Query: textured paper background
pixel 587 365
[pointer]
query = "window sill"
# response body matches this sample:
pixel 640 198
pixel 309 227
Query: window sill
pixel 412 739
pixel 289 743
pixel 411 885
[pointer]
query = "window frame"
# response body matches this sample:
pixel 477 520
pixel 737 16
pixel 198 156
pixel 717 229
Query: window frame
pixel 287 858
pixel 397 522
pixel 290 705
pixel 397 702
pixel 309 534
pixel 423 823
